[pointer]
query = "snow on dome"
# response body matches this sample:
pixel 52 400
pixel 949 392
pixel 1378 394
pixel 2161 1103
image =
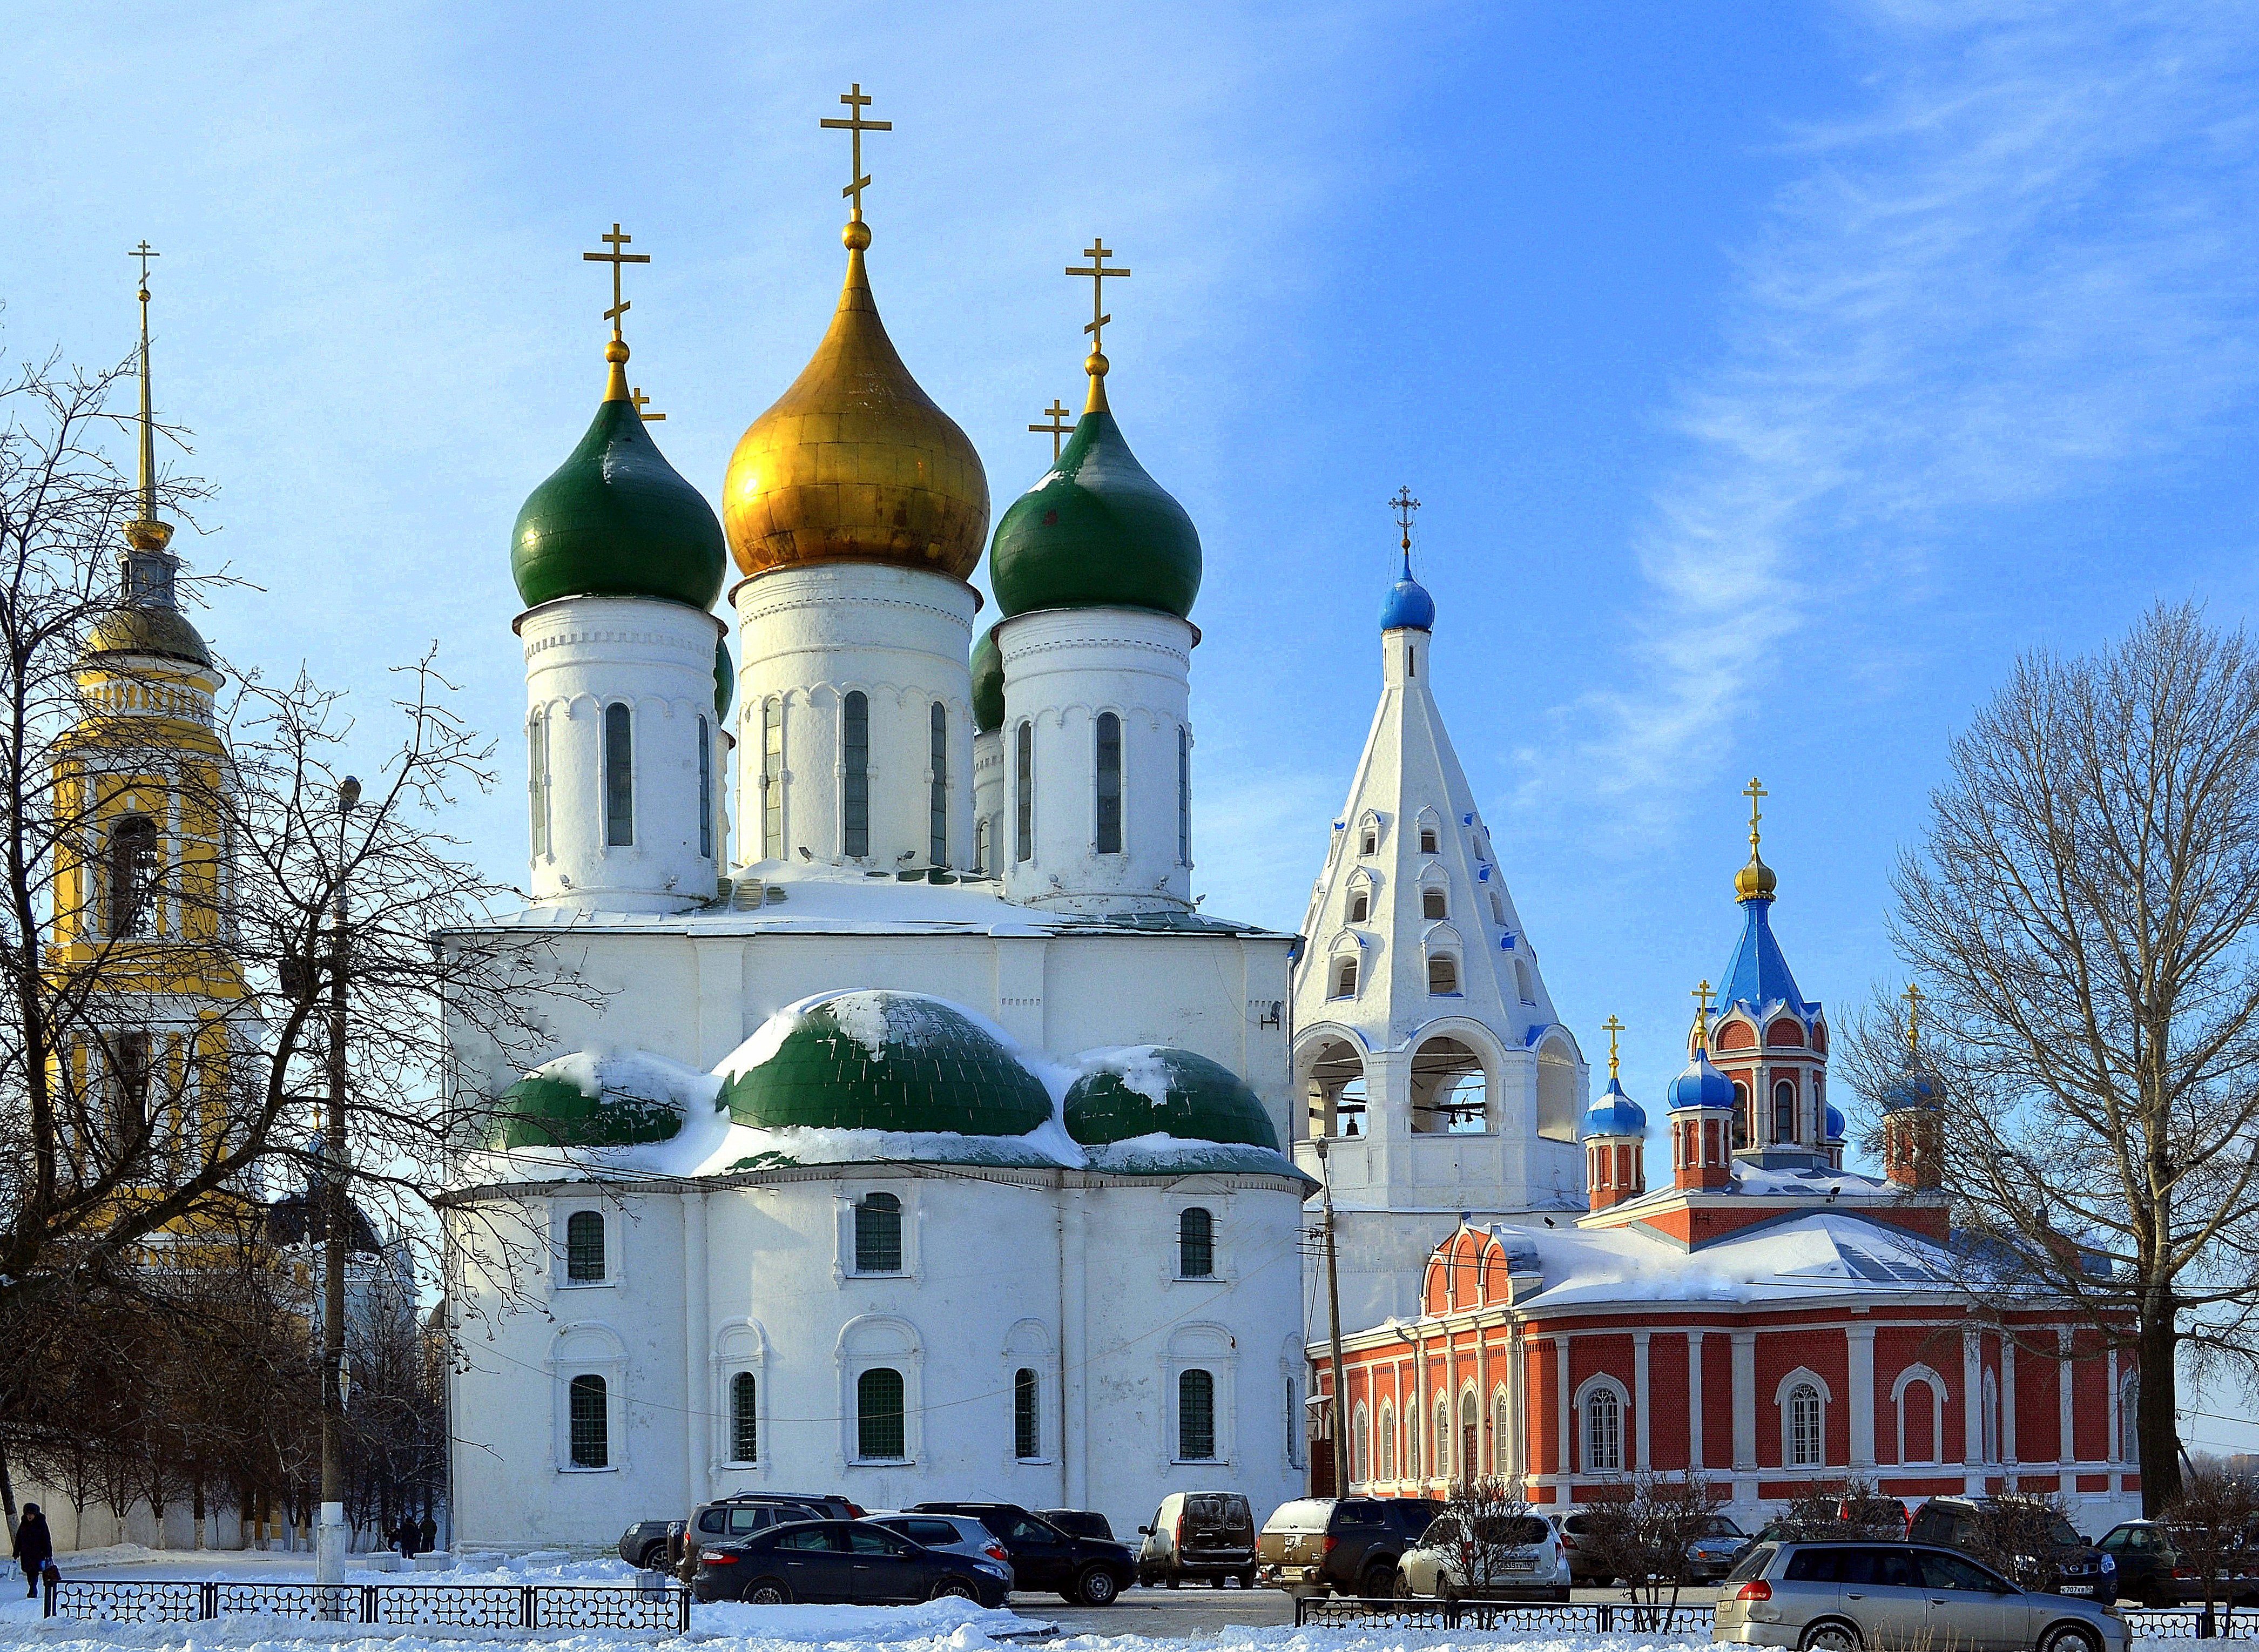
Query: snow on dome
pixel 595 1098
pixel 1612 1113
pixel 1701 1085
pixel 1143 1089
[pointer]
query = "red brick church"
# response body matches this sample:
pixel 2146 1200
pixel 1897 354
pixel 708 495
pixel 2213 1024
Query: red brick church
pixel 1769 1316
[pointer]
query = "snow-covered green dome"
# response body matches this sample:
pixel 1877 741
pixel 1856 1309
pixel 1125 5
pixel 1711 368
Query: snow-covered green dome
pixel 1150 1089
pixel 586 1099
pixel 878 1060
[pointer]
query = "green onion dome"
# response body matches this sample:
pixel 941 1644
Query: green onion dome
pixel 725 677
pixel 987 684
pixel 588 1100
pixel 616 519
pixel 1149 1089
pixel 1096 531
pixel 875 1060
pixel 165 632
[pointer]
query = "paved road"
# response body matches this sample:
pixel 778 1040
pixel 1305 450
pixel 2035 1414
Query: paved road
pixel 1203 1611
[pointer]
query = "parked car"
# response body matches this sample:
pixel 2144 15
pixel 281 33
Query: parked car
pixel 742 1517
pixel 2061 1563
pixel 835 1563
pixel 648 1544
pixel 1350 1545
pixel 959 1534
pixel 1711 1556
pixel 1080 1522
pixel 1505 1557
pixel 2152 1568
pixel 1846 1595
pixel 1086 1571
pixel 1199 1534
pixel 1585 1566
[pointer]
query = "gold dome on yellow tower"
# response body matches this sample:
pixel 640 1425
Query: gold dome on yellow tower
pixel 855 463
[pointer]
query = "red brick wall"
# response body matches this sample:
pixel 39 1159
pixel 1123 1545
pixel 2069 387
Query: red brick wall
pixel 1823 1352
pixel 1543 1388
pixel 1718 1400
pixel 2038 1418
pixel 1666 1399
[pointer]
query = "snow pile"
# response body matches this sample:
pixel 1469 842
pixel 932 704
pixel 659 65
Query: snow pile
pixel 1138 1066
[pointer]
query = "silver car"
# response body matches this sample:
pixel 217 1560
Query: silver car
pixel 1875 1597
pixel 959 1534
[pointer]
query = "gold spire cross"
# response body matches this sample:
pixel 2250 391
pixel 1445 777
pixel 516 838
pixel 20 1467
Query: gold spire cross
pixel 145 252
pixel 1404 505
pixel 616 257
pixel 855 126
pixel 1612 1027
pixel 1097 253
pixel 1059 426
pixel 1913 1016
pixel 642 402
pixel 1756 792
pixel 1701 997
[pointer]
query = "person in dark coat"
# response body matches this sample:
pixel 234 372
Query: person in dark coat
pixel 427 1534
pixel 403 1535
pixel 34 1549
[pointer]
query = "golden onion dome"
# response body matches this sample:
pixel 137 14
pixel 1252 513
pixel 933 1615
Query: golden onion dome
pixel 855 463
pixel 1754 881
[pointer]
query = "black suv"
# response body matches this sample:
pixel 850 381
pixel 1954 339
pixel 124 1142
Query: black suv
pixel 741 1516
pixel 1085 1570
pixel 2051 1558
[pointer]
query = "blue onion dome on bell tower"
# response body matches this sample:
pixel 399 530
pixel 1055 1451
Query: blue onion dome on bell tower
pixel 1837 1125
pixel 987 684
pixel 1097 531
pixel 1408 606
pixel 1702 1084
pixel 1914 1087
pixel 616 519
pixel 1612 1113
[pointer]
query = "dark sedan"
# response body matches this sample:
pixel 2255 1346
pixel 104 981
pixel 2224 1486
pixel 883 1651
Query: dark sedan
pixel 839 1562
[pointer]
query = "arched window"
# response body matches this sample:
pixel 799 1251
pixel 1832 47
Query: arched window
pixel 584 1247
pixel 1469 1439
pixel 1784 1112
pixel 1427 840
pixel 879 1233
pixel 1360 1450
pixel 1524 988
pixel 537 779
pixel 1345 977
pixel 1336 1089
pixel 1369 843
pixel 1449 1090
pixel 981 845
pixel 1388 1440
pixel 1360 906
pixel 1603 1432
pixel 1196 1244
pixel 1110 784
pixel 772 780
pixel 745 1420
pixel 133 875
pixel 879 1432
pixel 1184 797
pixel 590 1424
pixel 1432 904
pixel 1500 1432
pixel 705 789
pixel 619 776
pixel 1023 794
pixel 1807 1440
pixel 855 775
pixel 1027 1415
pixel 1989 1412
pixel 1744 1125
pixel 1496 909
pixel 1921 1420
pixel 1414 1462
pixel 1442 975
pixel 1441 1444
pixel 1196 1416
pixel 936 830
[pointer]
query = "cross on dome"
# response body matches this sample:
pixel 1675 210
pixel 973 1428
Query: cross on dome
pixel 1059 426
pixel 855 126
pixel 1096 363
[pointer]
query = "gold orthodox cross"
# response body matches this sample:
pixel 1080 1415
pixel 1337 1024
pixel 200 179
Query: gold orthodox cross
pixel 1059 426
pixel 1612 1027
pixel 1701 996
pixel 855 126
pixel 616 257
pixel 1756 792
pixel 145 252
pixel 642 402
pixel 1914 1014
pixel 1097 253
pixel 1404 505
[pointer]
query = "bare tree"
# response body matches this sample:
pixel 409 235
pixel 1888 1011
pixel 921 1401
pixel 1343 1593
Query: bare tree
pixel 1496 1530
pixel 2082 916
pixel 1849 1507
pixel 2214 1524
pixel 1642 1534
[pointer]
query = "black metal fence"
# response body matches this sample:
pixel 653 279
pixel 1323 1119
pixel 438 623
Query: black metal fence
pixel 1624 1617
pixel 664 1606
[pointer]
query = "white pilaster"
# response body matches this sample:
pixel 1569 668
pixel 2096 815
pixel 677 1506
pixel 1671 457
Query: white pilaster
pixel 1639 1397
pixel 1694 1454
pixel 1862 1347
pixel 1972 1414
pixel 1745 1413
pixel 698 1384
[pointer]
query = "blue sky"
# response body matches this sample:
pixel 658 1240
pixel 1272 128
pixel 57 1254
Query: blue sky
pixel 1772 374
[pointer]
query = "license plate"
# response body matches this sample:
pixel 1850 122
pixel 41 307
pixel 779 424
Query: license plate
pixel 2077 1589
pixel 1521 1565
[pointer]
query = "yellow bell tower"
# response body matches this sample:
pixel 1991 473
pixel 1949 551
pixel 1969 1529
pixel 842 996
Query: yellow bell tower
pixel 141 886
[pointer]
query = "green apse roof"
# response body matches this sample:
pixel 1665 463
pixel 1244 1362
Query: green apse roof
pixel 540 1111
pixel 1096 532
pixel 1153 1090
pixel 617 520
pixel 888 1061
pixel 988 683
pixel 725 677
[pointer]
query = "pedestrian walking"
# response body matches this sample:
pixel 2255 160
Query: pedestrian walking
pixel 34 1549
pixel 428 1533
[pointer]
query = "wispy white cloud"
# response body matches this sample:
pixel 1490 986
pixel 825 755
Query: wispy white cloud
pixel 2029 263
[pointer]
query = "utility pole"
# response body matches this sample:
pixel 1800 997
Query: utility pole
pixel 330 1534
pixel 1333 1315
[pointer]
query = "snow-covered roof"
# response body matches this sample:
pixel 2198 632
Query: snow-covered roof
pixel 1812 1180
pixel 1804 1257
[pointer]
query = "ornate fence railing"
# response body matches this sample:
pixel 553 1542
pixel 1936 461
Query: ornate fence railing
pixel 1623 1617
pixel 663 1607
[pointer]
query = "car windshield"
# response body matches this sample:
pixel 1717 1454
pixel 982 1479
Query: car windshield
pixel 1719 1526
pixel 2063 1534
pixel 1518 1530
pixel 1026 1528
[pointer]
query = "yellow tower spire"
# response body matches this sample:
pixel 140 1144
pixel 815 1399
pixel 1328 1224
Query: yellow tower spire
pixel 1096 363
pixel 616 349
pixel 144 532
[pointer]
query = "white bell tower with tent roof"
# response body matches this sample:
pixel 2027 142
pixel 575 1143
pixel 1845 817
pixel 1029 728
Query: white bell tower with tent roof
pixel 1427 1051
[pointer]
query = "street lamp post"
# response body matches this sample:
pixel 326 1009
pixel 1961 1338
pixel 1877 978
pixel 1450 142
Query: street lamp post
pixel 329 1534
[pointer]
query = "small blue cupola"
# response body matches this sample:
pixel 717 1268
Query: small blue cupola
pixel 1702 1086
pixel 1408 606
pixel 1612 1113
pixel 1615 1168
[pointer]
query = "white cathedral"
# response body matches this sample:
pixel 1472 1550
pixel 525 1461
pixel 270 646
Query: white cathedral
pixel 927 1140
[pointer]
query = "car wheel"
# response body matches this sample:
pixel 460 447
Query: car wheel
pixel 952 1589
pixel 1175 1581
pixel 2066 1638
pixel 654 1557
pixel 1379 1582
pixel 1095 1587
pixel 1831 1636
pixel 766 1592
pixel 2158 1594
pixel 1247 1580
